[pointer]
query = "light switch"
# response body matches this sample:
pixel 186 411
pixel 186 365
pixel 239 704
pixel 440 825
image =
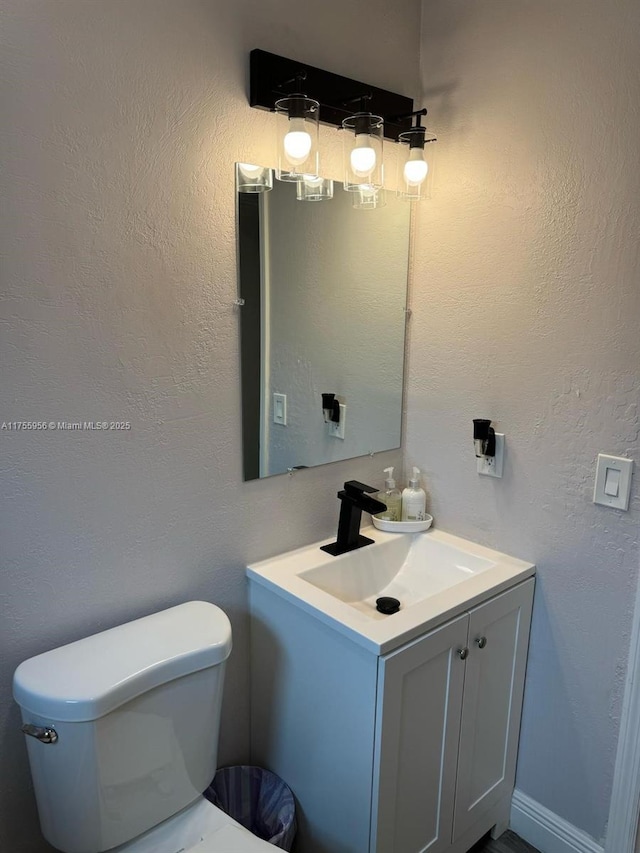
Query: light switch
pixel 613 481
pixel 280 409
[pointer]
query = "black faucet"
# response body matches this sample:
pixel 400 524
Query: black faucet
pixel 355 498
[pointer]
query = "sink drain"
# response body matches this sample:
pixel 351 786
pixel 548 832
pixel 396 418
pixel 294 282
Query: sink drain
pixel 387 605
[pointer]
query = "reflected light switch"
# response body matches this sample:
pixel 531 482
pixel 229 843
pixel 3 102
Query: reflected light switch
pixel 280 409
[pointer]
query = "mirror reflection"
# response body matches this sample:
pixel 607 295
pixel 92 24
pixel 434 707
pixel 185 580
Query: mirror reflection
pixel 324 288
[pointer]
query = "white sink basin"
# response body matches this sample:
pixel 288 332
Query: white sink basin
pixel 432 574
pixel 409 568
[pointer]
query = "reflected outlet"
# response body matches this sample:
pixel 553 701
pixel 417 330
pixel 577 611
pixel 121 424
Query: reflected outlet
pixel 337 429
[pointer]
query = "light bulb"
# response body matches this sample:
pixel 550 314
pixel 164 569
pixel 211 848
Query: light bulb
pixel 297 142
pixel 363 156
pixel 416 167
pixel 249 171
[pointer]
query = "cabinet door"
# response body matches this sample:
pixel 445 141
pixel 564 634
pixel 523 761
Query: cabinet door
pixel 494 681
pixel 417 729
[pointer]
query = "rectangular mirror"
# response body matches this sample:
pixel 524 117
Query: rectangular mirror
pixel 324 287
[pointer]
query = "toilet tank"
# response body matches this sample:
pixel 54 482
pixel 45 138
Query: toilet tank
pixel 137 714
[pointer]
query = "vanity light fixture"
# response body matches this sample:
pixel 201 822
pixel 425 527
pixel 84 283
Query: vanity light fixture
pixel 381 114
pixel 363 135
pixel 297 118
pixel 253 179
pixel 368 197
pixel 314 189
pixel 273 77
pixel 413 164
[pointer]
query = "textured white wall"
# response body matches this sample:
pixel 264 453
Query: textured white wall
pixel 121 124
pixel 527 310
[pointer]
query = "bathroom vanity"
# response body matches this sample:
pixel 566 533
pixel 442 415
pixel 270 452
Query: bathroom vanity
pixel 396 733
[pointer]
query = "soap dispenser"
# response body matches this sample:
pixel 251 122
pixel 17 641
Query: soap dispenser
pixel 414 499
pixel 392 497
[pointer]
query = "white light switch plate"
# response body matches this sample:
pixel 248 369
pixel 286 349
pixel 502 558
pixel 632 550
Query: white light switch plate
pixel 280 409
pixel 337 429
pixel 492 465
pixel 613 481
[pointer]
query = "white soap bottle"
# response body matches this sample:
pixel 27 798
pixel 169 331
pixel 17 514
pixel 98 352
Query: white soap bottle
pixel 414 499
pixel 392 497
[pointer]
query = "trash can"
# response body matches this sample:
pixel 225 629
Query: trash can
pixel 259 800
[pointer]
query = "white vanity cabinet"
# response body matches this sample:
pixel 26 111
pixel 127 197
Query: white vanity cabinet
pixel 413 750
pixel 448 716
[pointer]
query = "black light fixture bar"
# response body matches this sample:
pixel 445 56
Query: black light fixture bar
pixel 272 77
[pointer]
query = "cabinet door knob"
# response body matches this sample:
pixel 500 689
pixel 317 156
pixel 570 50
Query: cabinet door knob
pixel 463 653
pixel 481 642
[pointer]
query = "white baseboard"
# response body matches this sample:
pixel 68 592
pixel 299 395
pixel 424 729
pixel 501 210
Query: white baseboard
pixel 545 830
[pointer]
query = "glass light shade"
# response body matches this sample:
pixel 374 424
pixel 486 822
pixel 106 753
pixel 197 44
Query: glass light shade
pixel 314 189
pixel 297 120
pixel 253 179
pixel 362 140
pixel 415 164
pixel 369 198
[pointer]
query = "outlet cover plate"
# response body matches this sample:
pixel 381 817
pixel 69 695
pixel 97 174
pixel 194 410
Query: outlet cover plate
pixel 337 429
pixel 491 466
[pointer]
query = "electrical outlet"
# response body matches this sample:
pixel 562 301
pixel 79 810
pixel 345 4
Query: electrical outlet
pixel 491 466
pixel 337 429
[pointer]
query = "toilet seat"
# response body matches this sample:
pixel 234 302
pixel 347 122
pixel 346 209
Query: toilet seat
pixel 232 838
pixel 200 828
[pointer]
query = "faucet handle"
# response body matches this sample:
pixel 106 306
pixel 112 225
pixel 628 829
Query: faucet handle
pixel 356 489
pixel 357 493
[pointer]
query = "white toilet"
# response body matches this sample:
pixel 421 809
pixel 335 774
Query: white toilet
pixel 123 736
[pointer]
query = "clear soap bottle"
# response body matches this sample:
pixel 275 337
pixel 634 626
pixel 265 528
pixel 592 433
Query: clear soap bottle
pixel 392 497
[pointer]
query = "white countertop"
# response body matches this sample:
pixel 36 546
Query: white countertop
pixel 380 633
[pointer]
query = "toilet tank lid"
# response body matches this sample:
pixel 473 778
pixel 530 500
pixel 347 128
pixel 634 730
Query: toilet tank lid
pixel 89 678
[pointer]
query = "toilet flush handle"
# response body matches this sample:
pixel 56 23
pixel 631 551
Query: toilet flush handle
pixel 43 735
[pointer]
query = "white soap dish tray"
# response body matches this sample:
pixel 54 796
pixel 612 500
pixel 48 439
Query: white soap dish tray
pixel 402 526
